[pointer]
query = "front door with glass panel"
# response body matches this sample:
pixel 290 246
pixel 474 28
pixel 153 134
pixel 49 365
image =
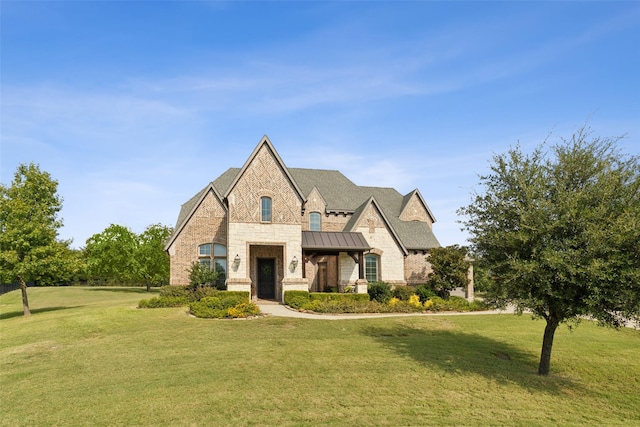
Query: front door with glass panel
pixel 266 278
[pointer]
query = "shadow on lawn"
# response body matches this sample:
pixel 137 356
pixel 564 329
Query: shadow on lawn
pixel 12 314
pixel 456 352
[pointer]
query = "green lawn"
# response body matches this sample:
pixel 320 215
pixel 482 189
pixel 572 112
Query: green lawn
pixel 87 356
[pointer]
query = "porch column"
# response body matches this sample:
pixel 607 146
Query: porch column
pixel 360 265
pixel 469 291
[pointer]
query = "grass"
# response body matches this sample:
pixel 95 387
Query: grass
pixel 87 356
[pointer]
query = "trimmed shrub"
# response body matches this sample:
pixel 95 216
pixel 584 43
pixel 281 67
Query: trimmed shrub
pixel 199 292
pixel 379 291
pixel 242 310
pixel 208 307
pixel 346 306
pixel 403 292
pixel 424 292
pixel 226 304
pixel 321 296
pixel 296 299
pixel 452 304
pixel 175 291
pixel 164 301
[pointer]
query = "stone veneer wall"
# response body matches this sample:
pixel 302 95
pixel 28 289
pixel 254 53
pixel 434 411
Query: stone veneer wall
pixel 348 270
pixel 207 225
pixel 379 237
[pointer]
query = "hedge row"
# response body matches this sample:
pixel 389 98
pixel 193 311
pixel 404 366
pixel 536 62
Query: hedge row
pixel 204 301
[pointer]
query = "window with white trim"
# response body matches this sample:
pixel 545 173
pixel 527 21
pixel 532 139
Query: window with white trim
pixel 315 221
pixel 372 267
pixel 265 209
pixel 214 256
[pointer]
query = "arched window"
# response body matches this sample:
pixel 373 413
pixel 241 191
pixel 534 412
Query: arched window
pixel 372 267
pixel 204 254
pixel 265 209
pixel 315 223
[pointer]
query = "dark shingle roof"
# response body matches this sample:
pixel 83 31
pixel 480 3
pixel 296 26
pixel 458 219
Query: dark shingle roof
pixel 341 195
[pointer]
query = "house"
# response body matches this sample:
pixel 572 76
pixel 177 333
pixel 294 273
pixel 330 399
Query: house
pixel 267 228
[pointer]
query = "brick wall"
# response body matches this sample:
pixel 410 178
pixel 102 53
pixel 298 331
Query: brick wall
pixel 415 211
pixel 207 225
pixel 264 177
pixel 416 267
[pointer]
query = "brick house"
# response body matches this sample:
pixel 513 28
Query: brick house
pixel 268 228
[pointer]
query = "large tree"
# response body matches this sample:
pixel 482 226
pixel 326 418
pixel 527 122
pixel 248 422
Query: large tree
pixel 110 255
pixel 560 230
pixel 118 255
pixel 152 261
pixel 29 223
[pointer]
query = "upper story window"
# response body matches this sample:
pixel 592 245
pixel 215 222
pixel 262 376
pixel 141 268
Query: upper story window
pixel 315 223
pixel 372 268
pixel 265 209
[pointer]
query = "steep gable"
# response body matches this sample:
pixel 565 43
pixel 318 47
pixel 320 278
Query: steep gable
pixel 414 208
pixel 197 206
pixel 264 174
pixel 369 215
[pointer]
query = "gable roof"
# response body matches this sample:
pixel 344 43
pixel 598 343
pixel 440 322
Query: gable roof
pixel 265 142
pixel 340 194
pixel 188 209
pixel 357 216
pixel 407 198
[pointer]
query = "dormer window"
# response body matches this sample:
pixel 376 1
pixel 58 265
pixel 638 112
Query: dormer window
pixel 265 209
pixel 315 221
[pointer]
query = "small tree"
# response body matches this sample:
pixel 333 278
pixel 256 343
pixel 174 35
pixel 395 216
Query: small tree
pixel 29 251
pixel 450 269
pixel 152 262
pixel 560 232
pixel 201 275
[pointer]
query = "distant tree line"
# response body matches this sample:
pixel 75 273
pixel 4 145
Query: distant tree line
pixel 31 252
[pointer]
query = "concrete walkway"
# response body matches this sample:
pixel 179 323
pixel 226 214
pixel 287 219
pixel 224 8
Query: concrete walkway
pixel 272 308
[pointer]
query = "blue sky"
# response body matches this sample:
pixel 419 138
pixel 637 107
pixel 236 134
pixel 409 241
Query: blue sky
pixel 135 106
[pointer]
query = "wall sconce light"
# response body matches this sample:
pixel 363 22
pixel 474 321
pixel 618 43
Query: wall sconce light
pixel 236 260
pixel 294 262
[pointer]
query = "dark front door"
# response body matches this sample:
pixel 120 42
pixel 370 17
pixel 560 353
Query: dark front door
pixel 322 276
pixel 266 278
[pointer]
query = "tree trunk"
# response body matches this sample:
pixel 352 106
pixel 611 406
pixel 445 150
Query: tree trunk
pixel 547 343
pixel 148 286
pixel 25 300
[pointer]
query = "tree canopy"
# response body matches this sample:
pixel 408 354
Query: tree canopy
pixel 29 223
pixel 560 230
pixel 450 268
pixel 118 255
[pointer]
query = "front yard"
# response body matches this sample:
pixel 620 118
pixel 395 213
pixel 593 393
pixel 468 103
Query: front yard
pixel 88 356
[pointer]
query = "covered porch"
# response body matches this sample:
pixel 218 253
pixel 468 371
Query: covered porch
pixel 334 261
